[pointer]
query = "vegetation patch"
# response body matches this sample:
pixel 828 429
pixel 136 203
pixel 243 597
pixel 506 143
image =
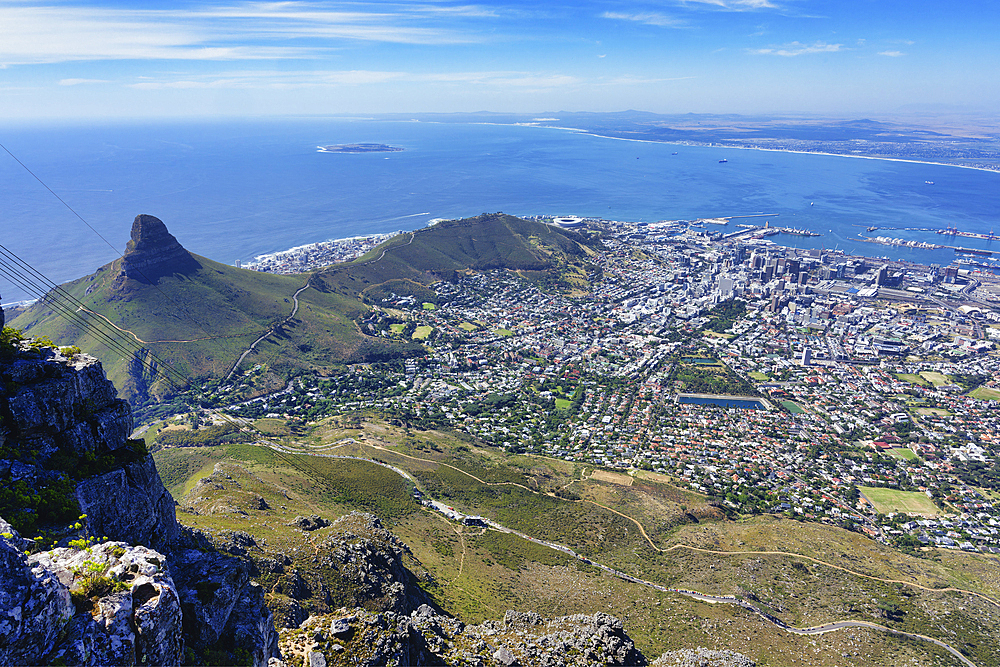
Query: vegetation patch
pixel 935 378
pixel 270 426
pixel 887 501
pixel 914 378
pixel 902 453
pixel 422 332
pixel 985 394
pixel 513 552
pixel 793 407
pixel 506 333
pixel 203 437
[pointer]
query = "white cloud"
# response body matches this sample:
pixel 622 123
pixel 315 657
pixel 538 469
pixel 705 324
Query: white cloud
pixel 50 34
pixel 798 49
pixel 77 82
pixel 287 80
pixel 735 5
pixel 649 18
pixel 891 54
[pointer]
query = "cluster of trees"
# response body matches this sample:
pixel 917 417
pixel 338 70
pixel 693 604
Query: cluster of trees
pixel 203 437
pixel 711 380
pixel 977 473
pixel 724 315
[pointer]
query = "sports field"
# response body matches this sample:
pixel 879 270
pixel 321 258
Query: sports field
pixel 903 453
pixel 985 394
pixel 793 407
pixel 422 332
pixel 913 378
pixel 935 378
pixel 887 501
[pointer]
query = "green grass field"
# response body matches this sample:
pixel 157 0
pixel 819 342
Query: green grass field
pixel 891 500
pixel 506 333
pixel 757 375
pixel 429 306
pixel 422 332
pixel 935 378
pixel 793 407
pixel 467 326
pixel 913 378
pixel 985 394
pixel 901 453
pixel 563 403
pixel 397 328
pixel 939 412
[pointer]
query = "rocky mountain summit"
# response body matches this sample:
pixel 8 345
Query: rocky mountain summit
pixel 153 252
pixel 125 584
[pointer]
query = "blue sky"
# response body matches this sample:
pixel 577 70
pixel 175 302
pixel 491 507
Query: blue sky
pixel 221 58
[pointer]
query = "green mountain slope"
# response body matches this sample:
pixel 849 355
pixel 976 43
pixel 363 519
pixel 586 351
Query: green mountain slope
pixel 200 316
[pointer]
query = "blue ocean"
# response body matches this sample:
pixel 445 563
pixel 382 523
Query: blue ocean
pixel 235 190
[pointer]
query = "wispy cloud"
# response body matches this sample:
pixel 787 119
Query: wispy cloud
pixel 891 54
pixel 249 31
pixel 287 80
pixel 649 18
pixel 78 82
pixel 799 49
pixel 734 5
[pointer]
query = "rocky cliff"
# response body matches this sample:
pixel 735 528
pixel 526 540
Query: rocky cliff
pixel 125 583
pixel 425 637
pixel 153 252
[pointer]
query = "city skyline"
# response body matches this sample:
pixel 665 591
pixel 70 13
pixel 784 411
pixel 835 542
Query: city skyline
pixel 185 59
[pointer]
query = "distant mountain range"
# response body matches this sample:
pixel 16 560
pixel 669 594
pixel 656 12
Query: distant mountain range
pixel 200 317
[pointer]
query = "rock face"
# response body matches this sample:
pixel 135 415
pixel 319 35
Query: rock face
pixel 424 637
pixel 34 607
pixel 153 590
pixel 702 657
pixel 130 504
pixel 153 252
pixel 357 563
pixel 57 403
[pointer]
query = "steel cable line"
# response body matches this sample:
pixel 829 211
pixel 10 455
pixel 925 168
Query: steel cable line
pixel 110 245
pixel 53 296
pixel 112 339
pixel 26 283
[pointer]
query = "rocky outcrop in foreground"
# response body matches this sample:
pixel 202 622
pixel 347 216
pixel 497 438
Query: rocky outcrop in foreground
pixel 703 657
pixel 133 587
pixel 425 637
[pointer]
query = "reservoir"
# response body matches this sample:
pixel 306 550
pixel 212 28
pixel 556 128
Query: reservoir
pixel 743 402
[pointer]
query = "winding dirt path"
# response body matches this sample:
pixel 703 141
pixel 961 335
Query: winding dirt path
pixel 642 530
pixel 150 342
pixel 253 345
pixel 705 597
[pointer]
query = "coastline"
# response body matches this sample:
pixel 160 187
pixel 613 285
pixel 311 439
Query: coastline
pixel 579 130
